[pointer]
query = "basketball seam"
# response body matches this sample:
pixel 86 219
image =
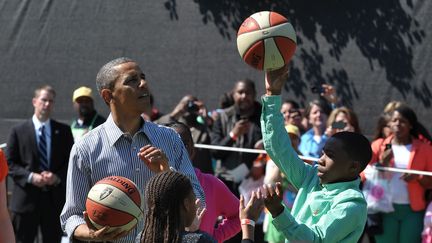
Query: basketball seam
pixel 114 208
pixel 277 46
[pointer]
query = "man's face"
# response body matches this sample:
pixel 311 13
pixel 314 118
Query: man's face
pixel 335 164
pixel 130 94
pixel 43 104
pixel 84 106
pixel 244 96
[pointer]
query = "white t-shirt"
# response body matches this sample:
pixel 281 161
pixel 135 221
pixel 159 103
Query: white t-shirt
pixel 398 186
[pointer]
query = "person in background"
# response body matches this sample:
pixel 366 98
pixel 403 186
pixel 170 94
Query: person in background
pixel 87 118
pixel 37 154
pixel 6 229
pixel 172 207
pixel 237 126
pixel 125 145
pixel 219 199
pixel 313 140
pixel 192 112
pixel 402 149
pixel 382 129
pixel 342 119
pixel 292 115
pixel 423 133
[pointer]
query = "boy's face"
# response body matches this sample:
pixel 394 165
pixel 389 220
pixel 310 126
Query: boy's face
pixel 335 164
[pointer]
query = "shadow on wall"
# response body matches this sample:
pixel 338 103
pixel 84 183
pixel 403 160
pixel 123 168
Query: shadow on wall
pixel 382 30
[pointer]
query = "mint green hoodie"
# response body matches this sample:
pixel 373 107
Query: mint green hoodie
pixel 334 212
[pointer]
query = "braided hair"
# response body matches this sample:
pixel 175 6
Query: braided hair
pixel 165 194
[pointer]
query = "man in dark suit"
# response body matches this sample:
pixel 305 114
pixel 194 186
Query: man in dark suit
pixel 37 154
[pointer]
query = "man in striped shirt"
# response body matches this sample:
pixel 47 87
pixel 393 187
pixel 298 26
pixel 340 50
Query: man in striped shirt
pixel 124 145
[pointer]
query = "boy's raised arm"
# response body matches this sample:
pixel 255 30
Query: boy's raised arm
pixel 275 137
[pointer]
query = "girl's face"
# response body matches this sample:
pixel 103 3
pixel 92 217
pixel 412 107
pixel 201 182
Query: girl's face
pixel 190 209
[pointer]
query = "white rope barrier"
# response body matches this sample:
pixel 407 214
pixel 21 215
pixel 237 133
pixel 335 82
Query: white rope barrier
pixel 305 158
pixel 245 150
pixel 391 169
pixel 261 151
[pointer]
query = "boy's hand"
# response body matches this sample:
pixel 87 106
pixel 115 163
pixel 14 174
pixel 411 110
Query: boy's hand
pixel 275 80
pixel 273 198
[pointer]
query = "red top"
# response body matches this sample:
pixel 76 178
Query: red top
pixel 3 166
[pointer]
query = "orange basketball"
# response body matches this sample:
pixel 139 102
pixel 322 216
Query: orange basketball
pixel 266 40
pixel 114 201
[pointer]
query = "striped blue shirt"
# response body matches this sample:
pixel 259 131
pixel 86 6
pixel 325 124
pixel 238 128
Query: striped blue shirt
pixel 107 151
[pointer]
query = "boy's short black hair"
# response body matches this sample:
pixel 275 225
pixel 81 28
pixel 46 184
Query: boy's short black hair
pixel 356 145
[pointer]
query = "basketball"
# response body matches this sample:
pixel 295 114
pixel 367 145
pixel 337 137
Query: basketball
pixel 114 201
pixel 266 40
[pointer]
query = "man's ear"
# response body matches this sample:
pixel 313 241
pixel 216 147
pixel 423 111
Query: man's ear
pixel 106 95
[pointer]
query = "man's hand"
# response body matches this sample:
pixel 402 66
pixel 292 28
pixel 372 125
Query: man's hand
pixel 275 80
pixel 50 178
pixel 87 232
pixel 273 198
pixel 241 127
pixel 154 158
pixel 38 180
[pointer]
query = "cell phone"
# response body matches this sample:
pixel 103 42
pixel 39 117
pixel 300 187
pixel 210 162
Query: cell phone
pixel 338 125
pixel 317 89
pixel 388 146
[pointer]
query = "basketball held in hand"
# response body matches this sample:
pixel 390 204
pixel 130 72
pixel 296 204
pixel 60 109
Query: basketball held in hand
pixel 114 201
pixel 266 40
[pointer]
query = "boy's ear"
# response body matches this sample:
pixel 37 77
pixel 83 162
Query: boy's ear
pixel 355 167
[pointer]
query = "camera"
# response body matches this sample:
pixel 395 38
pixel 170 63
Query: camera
pixel 338 125
pixel 317 89
pixel 192 107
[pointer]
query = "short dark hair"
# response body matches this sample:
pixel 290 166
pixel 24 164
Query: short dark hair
pixel 47 88
pixel 356 145
pixel 107 75
pixel 248 83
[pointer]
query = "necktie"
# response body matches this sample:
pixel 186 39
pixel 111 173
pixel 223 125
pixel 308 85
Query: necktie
pixel 43 155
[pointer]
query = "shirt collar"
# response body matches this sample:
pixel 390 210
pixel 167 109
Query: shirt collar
pixel 114 132
pixel 341 186
pixel 38 124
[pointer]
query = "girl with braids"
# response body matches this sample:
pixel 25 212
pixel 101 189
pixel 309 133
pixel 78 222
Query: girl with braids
pixel 171 206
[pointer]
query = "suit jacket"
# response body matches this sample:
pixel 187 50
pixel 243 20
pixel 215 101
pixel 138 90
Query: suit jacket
pixel 23 158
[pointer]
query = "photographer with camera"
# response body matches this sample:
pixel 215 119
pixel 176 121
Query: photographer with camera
pixel 342 119
pixel 192 112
